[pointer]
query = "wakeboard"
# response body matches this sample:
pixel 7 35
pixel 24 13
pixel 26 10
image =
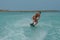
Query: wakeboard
pixel 32 25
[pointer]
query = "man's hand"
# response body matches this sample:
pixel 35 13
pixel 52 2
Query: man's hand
pixel 38 18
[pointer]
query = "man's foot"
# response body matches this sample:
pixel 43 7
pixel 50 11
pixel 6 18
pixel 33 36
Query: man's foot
pixel 32 24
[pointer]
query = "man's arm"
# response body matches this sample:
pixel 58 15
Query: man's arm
pixel 38 18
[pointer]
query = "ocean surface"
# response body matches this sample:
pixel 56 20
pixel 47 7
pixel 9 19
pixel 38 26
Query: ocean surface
pixel 16 26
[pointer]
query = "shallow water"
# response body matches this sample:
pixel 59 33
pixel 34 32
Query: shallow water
pixel 15 26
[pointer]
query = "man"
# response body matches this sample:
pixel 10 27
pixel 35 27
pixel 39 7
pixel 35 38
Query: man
pixel 36 18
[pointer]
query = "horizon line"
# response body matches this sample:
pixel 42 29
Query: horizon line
pixel 29 10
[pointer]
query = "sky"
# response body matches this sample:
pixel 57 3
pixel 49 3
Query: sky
pixel 30 4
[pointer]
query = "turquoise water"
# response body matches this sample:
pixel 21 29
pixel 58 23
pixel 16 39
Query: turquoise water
pixel 15 26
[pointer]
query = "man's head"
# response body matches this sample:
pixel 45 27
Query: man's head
pixel 38 12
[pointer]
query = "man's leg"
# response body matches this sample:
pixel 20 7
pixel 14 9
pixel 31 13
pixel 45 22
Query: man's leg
pixel 35 22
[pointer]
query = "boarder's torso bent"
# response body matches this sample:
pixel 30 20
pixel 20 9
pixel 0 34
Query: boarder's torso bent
pixel 36 18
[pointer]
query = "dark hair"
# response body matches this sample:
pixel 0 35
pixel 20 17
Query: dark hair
pixel 39 12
